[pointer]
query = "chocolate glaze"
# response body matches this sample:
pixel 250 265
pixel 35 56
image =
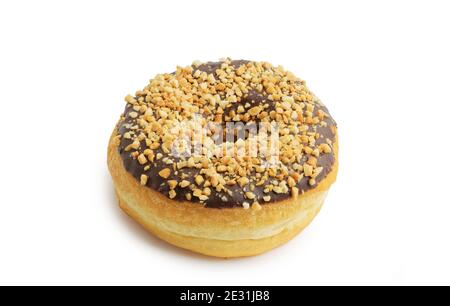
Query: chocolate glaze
pixel 216 199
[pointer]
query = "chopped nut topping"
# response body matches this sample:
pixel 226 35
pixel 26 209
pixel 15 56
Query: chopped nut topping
pixel 165 173
pixel 291 182
pixel 289 100
pixel 243 92
pixel 142 159
pixel 277 189
pixel 312 161
pixel 172 194
pixel 199 179
pixel 221 168
pixel 203 198
pixel 308 170
pixel 250 195
pixel 297 177
pixel 197 192
pixel 207 191
pixel 316 152
pixel 243 181
pixel 325 148
pixel 130 99
pixel 144 179
pixel 316 172
pixel 134 145
pixel 231 182
pixel 172 184
pixel 254 111
pixel 214 181
pixel 154 145
pixel 184 184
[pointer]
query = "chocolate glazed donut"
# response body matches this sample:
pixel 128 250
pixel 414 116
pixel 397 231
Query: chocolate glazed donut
pixel 271 202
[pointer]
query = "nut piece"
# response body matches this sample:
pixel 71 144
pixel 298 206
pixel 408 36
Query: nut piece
pixel 144 179
pixel 207 191
pixel 277 189
pixel 203 198
pixel 130 99
pixel 142 159
pixel 291 181
pixel 214 181
pixel 250 195
pixel 312 161
pixel 307 169
pixel 254 111
pixel 325 148
pixel 199 179
pixel 172 184
pixel 198 193
pixel 316 172
pixel 184 184
pixel 172 194
pixel 133 115
pixel 243 181
pixel 134 145
pixel 164 173
pixel 221 168
pixel 288 99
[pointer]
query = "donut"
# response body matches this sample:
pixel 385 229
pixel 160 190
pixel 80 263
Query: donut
pixel 228 159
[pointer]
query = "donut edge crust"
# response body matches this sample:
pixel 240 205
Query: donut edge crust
pixel 225 232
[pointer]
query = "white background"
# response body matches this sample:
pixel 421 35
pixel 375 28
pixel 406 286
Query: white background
pixel 381 67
